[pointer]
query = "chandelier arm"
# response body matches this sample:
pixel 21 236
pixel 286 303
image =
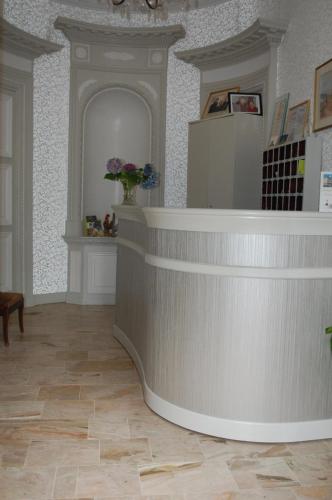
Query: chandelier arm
pixel 152 4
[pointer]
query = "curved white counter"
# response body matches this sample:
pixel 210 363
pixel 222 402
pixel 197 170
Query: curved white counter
pixel 224 313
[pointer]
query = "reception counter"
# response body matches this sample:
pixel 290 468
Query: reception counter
pixel 224 313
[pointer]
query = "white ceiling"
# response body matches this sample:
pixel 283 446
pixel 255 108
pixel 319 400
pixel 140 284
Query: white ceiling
pixel 173 5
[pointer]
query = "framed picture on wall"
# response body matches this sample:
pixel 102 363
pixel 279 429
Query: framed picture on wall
pixel 323 96
pixel 278 120
pixel 243 102
pixel 297 123
pixel 217 103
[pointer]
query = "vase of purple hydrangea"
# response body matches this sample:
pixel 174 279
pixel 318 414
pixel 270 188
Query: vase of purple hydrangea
pixel 130 177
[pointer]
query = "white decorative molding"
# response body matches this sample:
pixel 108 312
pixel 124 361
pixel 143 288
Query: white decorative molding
pixel 252 42
pixel 75 271
pixel 225 428
pixel 101 273
pixel 289 273
pixel 6 193
pixel 127 212
pixel 163 36
pixel 6 124
pixel 22 43
pixel 81 52
pixel 44 298
pixel 237 221
pixel 6 261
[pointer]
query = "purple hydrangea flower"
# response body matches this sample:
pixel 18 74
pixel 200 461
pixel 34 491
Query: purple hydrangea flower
pixel 129 167
pixel 114 165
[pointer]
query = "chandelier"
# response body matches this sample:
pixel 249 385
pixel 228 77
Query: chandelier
pixel 156 8
pixel 152 4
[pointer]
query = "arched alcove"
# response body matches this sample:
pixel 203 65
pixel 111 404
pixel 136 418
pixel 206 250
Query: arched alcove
pixel 117 123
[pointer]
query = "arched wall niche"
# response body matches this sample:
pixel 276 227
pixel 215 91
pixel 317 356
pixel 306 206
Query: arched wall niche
pixel 117 122
pixel 104 57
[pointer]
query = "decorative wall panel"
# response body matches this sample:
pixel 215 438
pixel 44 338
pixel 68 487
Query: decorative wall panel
pixel 6 125
pixel 6 262
pixel 101 272
pixel 6 192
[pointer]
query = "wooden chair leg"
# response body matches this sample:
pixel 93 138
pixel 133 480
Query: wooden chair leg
pixel 20 316
pixel 5 320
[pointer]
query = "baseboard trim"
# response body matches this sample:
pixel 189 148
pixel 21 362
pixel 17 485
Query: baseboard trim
pixel 45 298
pixel 224 428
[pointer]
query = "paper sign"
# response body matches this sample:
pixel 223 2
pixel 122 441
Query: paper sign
pixel 325 203
pixel 301 167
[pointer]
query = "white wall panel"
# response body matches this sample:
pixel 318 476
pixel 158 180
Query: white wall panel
pixel 75 271
pixel 6 190
pixel 6 125
pixel 6 265
pixel 101 272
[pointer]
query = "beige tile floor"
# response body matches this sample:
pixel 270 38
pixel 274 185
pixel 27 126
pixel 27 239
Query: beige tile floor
pixel 73 424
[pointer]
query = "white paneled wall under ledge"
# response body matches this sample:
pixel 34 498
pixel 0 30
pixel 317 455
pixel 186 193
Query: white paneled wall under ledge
pixel 92 270
pixel 228 310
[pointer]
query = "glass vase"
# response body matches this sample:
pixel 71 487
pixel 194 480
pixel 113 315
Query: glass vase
pixel 129 194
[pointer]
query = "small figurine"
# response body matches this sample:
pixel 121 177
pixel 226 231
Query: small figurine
pixel 107 225
pixel 114 226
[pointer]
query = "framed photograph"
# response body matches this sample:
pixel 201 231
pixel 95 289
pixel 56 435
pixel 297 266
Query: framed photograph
pixel 323 96
pixel 217 103
pixel 243 102
pixel 278 120
pixel 298 121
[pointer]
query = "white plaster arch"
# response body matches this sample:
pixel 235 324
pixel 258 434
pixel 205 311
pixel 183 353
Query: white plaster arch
pixel 130 116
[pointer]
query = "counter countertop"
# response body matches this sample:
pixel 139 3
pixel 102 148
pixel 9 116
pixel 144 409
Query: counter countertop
pixel 230 221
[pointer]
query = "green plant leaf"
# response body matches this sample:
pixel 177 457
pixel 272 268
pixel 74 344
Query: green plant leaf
pixel 328 330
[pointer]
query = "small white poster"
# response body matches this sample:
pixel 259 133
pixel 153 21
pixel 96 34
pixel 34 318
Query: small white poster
pixel 325 203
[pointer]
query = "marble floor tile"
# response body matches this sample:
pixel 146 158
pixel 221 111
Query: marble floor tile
pixel 309 447
pixel 312 469
pixel 63 452
pixel 186 478
pixel 18 392
pixel 108 428
pixel 166 449
pixel 44 429
pixel 31 483
pixel 49 392
pixel 127 451
pixel 106 480
pixel 121 376
pixel 116 352
pixel 155 426
pixel 118 407
pixel 99 366
pixel 66 409
pixel 313 493
pixel 72 355
pixel 21 409
pixel 217 449
pixel 262 473
pixel 112 392
pixel 13 453
pixel 65 482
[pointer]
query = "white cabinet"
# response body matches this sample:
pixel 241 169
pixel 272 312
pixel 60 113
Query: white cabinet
pixel 91 270
pixel 224 162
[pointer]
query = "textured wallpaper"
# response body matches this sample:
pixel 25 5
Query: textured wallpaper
pixel 306 46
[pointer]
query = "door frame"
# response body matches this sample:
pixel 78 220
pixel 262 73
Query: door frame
pixel 19 84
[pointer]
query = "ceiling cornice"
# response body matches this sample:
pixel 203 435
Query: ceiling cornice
pixel 79 31
pixel 19 42
pixel 253 41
